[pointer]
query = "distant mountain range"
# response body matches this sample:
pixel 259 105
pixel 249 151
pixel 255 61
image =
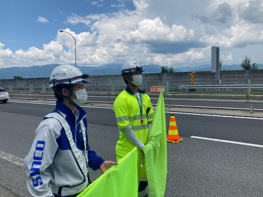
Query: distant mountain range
pixel 109 69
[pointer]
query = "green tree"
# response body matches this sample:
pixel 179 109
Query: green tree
pixel 246 63
pixel 171 70
pixel 247 66
pixel 18 77
pixel 166 69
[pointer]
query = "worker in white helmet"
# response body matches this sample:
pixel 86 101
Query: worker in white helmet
pixel 134 114
pixel 58 161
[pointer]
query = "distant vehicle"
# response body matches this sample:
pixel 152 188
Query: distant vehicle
pixel 4 96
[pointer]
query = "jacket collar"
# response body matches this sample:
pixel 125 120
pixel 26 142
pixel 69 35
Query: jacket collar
pixel 131 92
pixel 68 114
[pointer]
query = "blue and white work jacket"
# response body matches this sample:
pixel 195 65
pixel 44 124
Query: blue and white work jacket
pixel 50 166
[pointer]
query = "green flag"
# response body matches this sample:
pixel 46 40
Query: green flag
pixel 120 180
pixel 156 152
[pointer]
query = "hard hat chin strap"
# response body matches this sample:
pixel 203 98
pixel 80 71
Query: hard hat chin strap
pixel 70 94
pixel 59 93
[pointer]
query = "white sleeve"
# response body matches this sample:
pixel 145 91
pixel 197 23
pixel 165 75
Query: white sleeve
pixel 40 157
pixel 149 126
pixel 133 139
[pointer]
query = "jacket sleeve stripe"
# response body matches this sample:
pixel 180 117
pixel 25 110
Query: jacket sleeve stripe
pixel 139 127
pixel 150 115
pixel 138 117
pixel 122 118
pixel 126 128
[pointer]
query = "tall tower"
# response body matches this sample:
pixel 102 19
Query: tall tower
pixel 215 54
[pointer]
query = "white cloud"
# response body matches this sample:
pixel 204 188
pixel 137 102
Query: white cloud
pixel 42 19
pixel 117 5
pixel 228 57
pixel 140 5
pixel 96 4
pixel 113 26
pixel 222 14
pixel 152 30
pixel 156 32
pixel 60 11
pixel 252 11
pixel 190 56
pixel 5 53
pixel 75 19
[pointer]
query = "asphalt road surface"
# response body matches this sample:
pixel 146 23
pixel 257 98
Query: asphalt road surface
pixel 196 167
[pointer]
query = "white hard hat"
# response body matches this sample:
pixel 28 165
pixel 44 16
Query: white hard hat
pixel 67 74
pixel 131 66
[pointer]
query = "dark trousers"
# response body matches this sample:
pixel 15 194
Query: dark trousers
pixel 142 188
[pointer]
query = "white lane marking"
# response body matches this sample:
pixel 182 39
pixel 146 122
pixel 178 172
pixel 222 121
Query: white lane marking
pixel 209 107
pixel 97 107
pixel 227 141
pixel 216 115
pixel 167 112
pixel 16 160
pixel 55 104
pixel 32 103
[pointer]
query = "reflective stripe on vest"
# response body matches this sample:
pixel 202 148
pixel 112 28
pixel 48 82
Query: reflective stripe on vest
pixel 84 140
pixel 76 152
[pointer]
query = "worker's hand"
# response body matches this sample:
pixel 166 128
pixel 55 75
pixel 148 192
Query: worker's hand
pixel 143 148
pixel 107 165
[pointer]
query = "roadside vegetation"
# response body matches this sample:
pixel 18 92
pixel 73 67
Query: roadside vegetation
pixel 166 69
pixel 246 64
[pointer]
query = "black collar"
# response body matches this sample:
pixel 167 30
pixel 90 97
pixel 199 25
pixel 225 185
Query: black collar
pixel 131 92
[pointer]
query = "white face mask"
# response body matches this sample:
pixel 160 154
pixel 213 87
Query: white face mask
pixel 137 80
pixel 82 97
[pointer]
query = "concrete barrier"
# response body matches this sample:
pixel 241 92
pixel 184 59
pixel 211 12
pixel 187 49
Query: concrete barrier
pixel 104 82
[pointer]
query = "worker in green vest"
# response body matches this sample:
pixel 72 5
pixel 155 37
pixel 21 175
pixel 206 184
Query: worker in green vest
pixel 134 114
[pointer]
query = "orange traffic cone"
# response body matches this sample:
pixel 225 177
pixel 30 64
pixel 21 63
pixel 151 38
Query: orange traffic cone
pixel 173 135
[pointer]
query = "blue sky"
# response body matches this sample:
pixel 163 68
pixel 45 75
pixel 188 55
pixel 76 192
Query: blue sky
pixel 21 30
pixel 168 32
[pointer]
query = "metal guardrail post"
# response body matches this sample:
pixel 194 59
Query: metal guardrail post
pixel 252 108
pixel 246 76
pixel 249 89
pixel 249 92
pixel 167 91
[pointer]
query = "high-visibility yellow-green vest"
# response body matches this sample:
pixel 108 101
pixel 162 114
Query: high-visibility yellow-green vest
pixel 129 116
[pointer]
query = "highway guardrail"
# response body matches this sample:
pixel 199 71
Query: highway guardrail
pixel 232 98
